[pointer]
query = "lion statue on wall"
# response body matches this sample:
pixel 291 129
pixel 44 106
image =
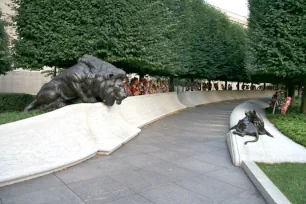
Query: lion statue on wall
pixel 252 124
pixel 91 79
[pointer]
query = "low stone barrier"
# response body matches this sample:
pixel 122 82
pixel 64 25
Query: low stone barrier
pixel 196 98
pixel 46 143
pixel 141 110
pixel 266 149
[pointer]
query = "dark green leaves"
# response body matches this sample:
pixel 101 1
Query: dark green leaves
pixel 4 52
pixel 277 38
pixel 158 37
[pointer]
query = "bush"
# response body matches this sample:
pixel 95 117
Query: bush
pixel 4 50
pixel 9 117
pixel 13 102
pixel 292 124
pixel 186 38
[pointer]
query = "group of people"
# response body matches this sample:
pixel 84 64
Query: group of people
pixel 143 86
pixel 197 86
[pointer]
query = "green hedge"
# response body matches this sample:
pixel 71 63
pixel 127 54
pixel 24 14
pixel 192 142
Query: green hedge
pixel 292 124
pixel 276 40
pixel 9 117
pixel 187 38
pixel 5 65
pixel 13 102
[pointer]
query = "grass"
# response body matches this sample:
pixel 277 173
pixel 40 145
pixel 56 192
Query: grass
pixel 293 124
pixel 290 178
pixel 12 105
pixel 9 117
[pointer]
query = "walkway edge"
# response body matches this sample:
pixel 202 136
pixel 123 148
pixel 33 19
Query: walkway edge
pixel 268 190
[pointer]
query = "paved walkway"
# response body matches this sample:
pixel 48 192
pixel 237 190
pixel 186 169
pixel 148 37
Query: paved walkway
pixel 182 158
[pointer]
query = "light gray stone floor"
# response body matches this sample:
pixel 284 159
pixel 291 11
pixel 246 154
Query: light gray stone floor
pixel 182 158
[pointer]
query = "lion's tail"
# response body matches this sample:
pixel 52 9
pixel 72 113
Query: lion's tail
pixel 31 106
pixel 234 127
pixel 269 134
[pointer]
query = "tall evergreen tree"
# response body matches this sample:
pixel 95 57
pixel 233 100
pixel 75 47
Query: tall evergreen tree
pixel 131 34
pixel 4 50
pixel 277 36
pixel 162 37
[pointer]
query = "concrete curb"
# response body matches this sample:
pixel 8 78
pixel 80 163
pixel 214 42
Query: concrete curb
pixel 268 190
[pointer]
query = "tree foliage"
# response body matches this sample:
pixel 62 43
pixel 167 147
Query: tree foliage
pixel 4 51
pixel 277 42
pixel 277 38
pixel 164 37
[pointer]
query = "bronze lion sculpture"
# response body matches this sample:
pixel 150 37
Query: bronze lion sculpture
pixel 252 124
pixel 91 79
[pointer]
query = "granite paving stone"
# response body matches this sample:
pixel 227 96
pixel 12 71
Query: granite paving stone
pixel 100 190
pixel 202 147
pixel 217 144
pixel 167 155
pixel 178 140
pixel 60 194
pixel 142 160
pixel 210 188
pixel 173 194
pixel 171 171
pixel 122 152
pixel 149 138
pixel 237 178
pixel 186 151
pixel 114 166
pixel 249 197
pixel 195 165
pixel 166 145
pixel 145 148
pixel 134 199
pixel 215 159
pixel 221 152
pixel 30 186
pixel 140 180
pixel 79 172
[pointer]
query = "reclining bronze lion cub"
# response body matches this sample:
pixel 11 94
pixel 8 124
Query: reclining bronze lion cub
pixel 91 80
pixel 252 125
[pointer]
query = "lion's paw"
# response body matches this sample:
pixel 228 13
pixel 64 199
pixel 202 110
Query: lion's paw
pixel 90 100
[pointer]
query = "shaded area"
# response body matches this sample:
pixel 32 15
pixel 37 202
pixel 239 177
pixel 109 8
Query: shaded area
pixel 179 159
pixel 290 178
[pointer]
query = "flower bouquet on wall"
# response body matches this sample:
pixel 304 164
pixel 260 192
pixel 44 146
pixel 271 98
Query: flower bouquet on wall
pixel 143 84
pixel 135 87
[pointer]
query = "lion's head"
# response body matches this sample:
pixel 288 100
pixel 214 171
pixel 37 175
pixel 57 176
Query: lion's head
pixel 112 91
pixel 251 115
pixel 108 80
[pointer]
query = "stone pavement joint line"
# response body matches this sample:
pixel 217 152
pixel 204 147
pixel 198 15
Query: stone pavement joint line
pixel 182 158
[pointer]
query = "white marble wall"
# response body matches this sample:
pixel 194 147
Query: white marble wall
pixel 22 81
pixel 195 98
pixel 46 143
